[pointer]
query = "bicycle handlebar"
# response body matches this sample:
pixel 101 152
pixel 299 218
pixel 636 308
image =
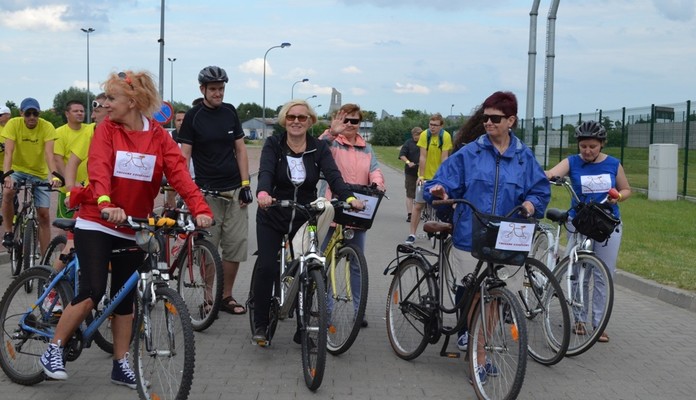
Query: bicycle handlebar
pixel 565 181
pixel 518 209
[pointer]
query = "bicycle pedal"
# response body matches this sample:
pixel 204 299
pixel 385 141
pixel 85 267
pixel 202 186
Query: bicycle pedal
pixel 451 354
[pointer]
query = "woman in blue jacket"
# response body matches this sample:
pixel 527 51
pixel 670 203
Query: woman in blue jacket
pixel 496 172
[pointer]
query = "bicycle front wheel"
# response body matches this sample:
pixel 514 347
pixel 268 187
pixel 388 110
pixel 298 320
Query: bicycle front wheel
pixel 548 320
pixel 200 282
pixel 589 291
pixel 21 349
pixel 16 250
pixel 410 314
pixel 314 328
pixel 30 250
pixel 164 350
pixel 347 296
pixel 497 346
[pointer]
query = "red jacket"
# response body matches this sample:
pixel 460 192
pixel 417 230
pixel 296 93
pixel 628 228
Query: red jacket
pixel 127 167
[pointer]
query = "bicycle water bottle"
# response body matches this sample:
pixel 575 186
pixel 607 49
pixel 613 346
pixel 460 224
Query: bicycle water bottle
pixel 419 192
pixel 177 245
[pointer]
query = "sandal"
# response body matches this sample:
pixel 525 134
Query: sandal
pixel 603 338
pixel 579 329
pixel 230 305
pixel 205 308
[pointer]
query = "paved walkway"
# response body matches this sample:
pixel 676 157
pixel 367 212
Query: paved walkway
pixel 651 354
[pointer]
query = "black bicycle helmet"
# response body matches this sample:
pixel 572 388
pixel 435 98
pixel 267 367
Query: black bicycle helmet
pixel 590 129
pixel 212 74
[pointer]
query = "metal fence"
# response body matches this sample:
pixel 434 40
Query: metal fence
pixel 630 131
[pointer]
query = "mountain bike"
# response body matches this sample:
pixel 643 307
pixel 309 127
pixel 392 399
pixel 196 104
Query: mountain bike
pixel 164 350
pixel 300 286
pixel 583 276
pixel 421 292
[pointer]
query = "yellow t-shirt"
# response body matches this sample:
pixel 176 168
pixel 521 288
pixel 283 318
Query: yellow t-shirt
pixel 434 157
pixel 70 141
pixel 2 150
pixel 29 150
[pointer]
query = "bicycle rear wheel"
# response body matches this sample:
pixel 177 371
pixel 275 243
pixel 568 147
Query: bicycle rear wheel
pixel 589 292
pixel 498 346
pixel 200 282
pixel 16 261
pixel 347 297
pixel 313 327
pixel 30 250
pixel 20 350
pixel 54 250
pixel 548 320
pixel 542 246
pixel 410 312
pixel 164 349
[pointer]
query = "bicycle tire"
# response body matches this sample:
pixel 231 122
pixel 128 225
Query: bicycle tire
pixel 54 250
pixel 313 330
pixel 164 349
pixel 589 263
pixel 21 350
pixel 345 315
pixel 542 246
pixel 409 319
pixel 548 319
pixel 506 349
pixel 15 251
pixel 193 281
pixel 30 250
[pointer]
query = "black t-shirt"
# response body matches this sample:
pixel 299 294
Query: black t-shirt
pixel 212 133
pixel 411 150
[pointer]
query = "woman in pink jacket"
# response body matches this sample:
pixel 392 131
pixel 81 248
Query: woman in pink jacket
pixel 357 162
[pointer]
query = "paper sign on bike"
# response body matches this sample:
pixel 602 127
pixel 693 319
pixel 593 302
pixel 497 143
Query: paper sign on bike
pixel 515 236
pixel 370 206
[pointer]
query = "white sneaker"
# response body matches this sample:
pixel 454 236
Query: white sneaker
pixel 48 303
pixel 411 239
pixel 52 362
pixel 463 342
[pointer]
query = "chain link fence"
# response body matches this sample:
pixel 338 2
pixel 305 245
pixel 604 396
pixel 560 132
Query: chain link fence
pixel 630 132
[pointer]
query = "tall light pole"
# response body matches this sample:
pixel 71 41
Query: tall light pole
pixel 451 109
pixel 292 92
pixel 171 84
pixel 263 110
pixel 161 55
pixel 89 103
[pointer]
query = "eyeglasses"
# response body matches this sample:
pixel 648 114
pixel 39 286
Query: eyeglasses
pixel 31 113
pixel 494 118
pixel 301 118
pixel 96 104
pixel 431 124
pixel 126 78
pixel 353 121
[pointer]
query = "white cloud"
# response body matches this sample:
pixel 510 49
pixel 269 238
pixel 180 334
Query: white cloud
pixel 449 87
pixel 252 84
pixel 46 18
pixel 255 66
pixel 358 91
pixel 410 88
pixel 351 70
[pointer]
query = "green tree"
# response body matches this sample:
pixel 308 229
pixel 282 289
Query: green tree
pixel 63 97
pixel 247 111
pixel 180 106
pixel 54 118
pixel 369 115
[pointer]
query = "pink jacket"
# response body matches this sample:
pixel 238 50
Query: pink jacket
pixel 357 163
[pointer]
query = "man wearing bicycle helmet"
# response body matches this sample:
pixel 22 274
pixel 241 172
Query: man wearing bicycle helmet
pixel 593 173
pixel 212 135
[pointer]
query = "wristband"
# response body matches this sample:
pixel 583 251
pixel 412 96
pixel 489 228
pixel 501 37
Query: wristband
pixel 351 198
pixel 67 194
pixel 620 197
pixel 56 179
pixel 103 198
pixel 246 183
pixel 407 161
pixel 421 178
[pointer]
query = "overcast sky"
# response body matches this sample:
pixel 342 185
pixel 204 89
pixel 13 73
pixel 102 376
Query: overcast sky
pixel 382 54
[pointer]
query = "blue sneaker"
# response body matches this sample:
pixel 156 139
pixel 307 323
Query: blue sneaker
pixel 463 342
pixel 491 369
pixel 482 375
pixel 122 374
pixel 52 362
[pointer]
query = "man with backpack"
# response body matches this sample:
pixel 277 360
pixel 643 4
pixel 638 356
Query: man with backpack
pixel 435 145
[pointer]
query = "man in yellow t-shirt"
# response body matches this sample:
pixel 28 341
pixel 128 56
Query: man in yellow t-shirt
pixel 29 153
pixel 5 115
pixel 435 145
pixel 71 135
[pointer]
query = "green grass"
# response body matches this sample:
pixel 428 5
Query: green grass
pixel 658 242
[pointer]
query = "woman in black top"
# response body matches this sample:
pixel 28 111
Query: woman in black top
pixel 290 166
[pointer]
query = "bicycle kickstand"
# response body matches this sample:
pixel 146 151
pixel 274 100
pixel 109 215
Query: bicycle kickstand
pixel 448 354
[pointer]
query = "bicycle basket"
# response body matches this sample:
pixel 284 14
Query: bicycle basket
pixel 486 245
pixel 361 219
pixel 594 221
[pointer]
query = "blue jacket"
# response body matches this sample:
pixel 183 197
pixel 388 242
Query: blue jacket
pixel 494 183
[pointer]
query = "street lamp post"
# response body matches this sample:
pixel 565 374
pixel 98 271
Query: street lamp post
pixel 311 97
pixel 292 92
pixel 171 84
pixel 263 110
pixel 89 103
pixel 451 109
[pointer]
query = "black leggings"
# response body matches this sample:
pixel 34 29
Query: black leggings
pixel 93 249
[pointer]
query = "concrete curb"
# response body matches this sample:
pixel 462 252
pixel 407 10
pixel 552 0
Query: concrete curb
pixel 670 295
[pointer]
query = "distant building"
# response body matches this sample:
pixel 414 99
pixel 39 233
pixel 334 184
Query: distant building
pixel 253 128
pixel 336 102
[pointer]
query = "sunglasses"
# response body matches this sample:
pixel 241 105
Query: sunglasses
pixel 353 121
pixel 96 104
pixel 126 79
pixel 301 118
pixel 31 113
pixel 494 118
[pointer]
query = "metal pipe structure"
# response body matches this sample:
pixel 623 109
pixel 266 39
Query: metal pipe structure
pixel 550 59
pixel 531 72
pixel 161 58
pixel 89 102
pixel 263 109
pixel 292 91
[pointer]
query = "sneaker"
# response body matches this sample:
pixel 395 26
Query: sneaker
pixel 8 240
pixel 411 239
pixel 122 374
pixel 363 324
pixel 482 375
pixel 463 342
pixel 260 337
pixel 51 302
pixel 52 362
pixel 491 369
